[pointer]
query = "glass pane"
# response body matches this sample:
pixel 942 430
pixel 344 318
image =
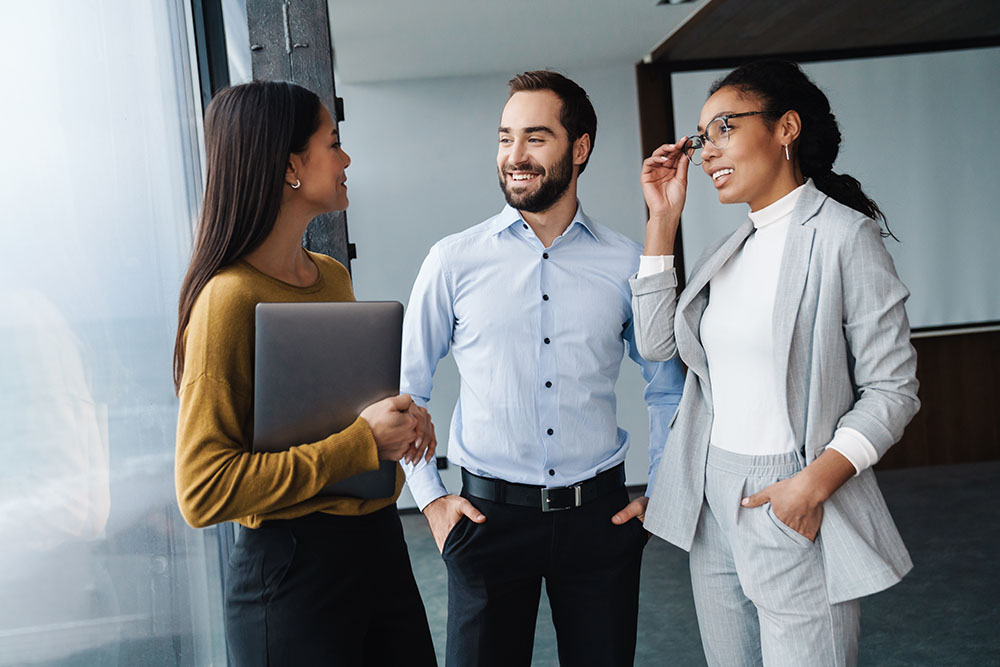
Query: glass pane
pixel 99 180
pixel 234 19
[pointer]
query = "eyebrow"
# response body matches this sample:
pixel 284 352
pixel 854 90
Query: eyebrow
pixel 529 130
pixel 718 115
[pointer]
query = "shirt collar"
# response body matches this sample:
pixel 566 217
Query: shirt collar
pixel 510 216
pixel 777 210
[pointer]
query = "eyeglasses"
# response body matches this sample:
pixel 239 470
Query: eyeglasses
pixel 717 133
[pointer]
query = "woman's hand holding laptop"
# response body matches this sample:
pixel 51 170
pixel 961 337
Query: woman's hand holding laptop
pixel 401 428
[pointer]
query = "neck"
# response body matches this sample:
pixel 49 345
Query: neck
pixel 549 224
pixel 281 255
pixel 787 180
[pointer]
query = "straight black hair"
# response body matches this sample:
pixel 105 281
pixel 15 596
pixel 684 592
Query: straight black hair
pixel 250 131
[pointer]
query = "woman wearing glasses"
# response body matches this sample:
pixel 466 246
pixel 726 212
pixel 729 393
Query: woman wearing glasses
pixel 801 376
pixel 312 579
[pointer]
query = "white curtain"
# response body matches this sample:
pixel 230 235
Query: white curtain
pixel 100 184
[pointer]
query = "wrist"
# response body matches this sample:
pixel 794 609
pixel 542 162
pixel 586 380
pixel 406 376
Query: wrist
pixel 663 220
pixel 817 483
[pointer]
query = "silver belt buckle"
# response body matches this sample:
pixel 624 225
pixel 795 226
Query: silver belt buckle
pixel 562 498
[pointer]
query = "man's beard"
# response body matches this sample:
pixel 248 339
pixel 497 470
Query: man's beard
pixel 553 185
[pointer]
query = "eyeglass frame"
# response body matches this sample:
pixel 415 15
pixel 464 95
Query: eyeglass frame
pixel 702 138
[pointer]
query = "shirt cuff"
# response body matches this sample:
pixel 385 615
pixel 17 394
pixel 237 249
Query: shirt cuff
pixel 650 264
pixel 855 447
pixel 424 481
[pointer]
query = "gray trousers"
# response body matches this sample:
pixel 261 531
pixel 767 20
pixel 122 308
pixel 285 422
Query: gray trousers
pixel 759 587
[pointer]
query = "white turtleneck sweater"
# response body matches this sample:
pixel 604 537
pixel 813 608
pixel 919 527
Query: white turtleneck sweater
pixel 737 334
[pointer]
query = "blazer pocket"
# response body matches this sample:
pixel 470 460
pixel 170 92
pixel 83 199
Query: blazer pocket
pixel 793 534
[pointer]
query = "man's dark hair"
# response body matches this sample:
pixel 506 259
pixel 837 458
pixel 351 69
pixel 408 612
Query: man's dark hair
pixel 577 114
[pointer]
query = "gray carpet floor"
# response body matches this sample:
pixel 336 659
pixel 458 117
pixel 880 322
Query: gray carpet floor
pixel 945 613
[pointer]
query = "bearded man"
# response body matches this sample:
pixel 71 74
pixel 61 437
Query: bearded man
pixel 534 303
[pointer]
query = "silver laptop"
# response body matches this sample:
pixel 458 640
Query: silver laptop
pixel 316 367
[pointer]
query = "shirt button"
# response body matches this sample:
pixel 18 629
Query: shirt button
pixel 547 341
pixel 550 431
pixel 545 297
pixel 525 226
pixel 548 383
pixel 552 472
pixel 545 255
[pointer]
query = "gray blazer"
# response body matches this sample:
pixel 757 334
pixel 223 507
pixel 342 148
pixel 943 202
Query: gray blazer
pixel 842 354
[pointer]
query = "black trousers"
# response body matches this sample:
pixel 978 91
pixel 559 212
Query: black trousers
pixel 325 590
pixel 591 572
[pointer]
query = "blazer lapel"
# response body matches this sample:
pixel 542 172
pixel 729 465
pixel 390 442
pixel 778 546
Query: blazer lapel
pixel 791 285
pixel 694 298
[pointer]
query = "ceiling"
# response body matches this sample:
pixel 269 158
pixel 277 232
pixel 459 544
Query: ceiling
pixel 382 40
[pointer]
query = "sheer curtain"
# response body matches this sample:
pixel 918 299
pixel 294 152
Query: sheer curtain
pixel 99 184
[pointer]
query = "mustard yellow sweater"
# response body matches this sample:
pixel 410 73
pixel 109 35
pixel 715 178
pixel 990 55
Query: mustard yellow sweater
pixel 218 478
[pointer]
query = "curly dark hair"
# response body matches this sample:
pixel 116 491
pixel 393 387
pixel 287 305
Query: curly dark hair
pixel 782 86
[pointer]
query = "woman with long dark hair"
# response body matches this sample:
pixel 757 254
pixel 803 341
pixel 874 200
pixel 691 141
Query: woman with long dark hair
pixel 801 376
pixel 313 579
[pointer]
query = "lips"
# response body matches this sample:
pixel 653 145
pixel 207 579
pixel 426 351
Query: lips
pixel 720 176
pixel 522 177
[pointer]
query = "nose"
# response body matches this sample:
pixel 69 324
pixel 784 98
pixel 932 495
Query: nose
pixel 709 151
pixel 518 152
pixel 347 159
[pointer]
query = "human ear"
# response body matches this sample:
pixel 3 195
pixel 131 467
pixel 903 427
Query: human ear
pixel 293 171
pixel 789 127
pixel 581 149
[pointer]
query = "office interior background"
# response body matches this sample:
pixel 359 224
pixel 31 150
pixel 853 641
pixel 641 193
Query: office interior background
pixel 100 181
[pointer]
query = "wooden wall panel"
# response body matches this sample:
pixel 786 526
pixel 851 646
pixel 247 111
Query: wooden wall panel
pixel 959 418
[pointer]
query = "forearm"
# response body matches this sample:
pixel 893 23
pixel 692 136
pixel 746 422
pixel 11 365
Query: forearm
pixel 660 234
pixel 219 479
pixel 827 473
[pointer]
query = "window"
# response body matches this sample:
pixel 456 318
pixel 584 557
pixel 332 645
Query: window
pixel 100 183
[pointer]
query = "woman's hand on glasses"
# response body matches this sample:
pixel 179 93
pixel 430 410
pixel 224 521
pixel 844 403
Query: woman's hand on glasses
pixel 664 187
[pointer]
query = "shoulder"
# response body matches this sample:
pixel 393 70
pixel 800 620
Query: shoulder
pixel 616 240
pixel 334 273
pixel 328 265
pixel 465 248
pixel 229 293
pixel 842 226
pixel 469 237
pixel 219 335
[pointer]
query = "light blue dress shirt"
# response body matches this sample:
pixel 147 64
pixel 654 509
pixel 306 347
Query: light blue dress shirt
pixel 538 335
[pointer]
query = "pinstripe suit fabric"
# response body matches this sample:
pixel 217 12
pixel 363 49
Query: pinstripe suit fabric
pixel 842 357
pixel 758 585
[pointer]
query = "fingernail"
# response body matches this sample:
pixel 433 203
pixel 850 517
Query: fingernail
pixel 745 501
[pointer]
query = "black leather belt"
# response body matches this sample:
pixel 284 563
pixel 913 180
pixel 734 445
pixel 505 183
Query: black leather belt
pixel 539 497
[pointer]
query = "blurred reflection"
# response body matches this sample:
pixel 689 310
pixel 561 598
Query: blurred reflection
pixel 54 492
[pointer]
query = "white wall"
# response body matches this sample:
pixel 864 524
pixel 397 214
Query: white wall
pixel 424 166
pixel 918 132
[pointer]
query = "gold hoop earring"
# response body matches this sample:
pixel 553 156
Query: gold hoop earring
pixel 787 156
pixel 298 184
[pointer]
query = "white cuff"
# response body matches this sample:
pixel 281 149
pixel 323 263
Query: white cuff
pixel 650 264
pixel 855 447
pixel 424 482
